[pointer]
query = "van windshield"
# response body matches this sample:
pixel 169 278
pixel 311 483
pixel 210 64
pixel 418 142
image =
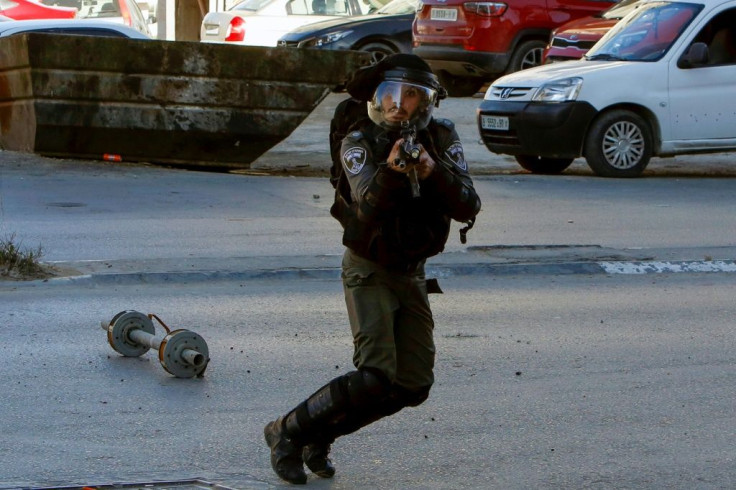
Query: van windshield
pixel 645 34
pixel 620 9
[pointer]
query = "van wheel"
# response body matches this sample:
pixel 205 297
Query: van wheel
pixel 460 86
pixel 527 55
pixel 619 144
pixel 541 165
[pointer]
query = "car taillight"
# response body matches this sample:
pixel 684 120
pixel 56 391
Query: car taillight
pixel 127 20
pixel 236 30
pixel 486 9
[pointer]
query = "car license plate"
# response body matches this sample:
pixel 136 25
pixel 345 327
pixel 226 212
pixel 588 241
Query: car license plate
pixel 443 14
pixel 496 123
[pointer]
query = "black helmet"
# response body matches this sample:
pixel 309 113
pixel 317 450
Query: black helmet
pixel 397 79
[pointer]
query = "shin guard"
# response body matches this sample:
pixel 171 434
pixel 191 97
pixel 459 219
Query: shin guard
pixel 342 406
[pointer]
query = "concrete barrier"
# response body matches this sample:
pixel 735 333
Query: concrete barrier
pixel 178 103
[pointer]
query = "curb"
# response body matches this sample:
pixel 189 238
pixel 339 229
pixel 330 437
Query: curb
pixel 438 271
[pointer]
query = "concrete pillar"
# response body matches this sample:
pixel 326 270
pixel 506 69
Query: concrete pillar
pixel 189 15
pixel 180 20
pixel 165 10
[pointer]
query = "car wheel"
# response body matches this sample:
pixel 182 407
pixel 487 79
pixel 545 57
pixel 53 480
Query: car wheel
pixel 619 144
pixel 460 86
pixel 379 50
pixel 541 165
pixel 527 55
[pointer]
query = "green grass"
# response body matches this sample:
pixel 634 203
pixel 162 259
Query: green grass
pixel 17 262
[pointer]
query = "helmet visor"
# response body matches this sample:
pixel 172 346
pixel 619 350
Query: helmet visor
pixel 395 102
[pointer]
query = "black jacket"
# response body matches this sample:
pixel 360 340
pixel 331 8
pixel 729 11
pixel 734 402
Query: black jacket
pixel 382 221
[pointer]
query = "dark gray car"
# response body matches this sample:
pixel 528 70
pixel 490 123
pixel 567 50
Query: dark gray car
pixel 387 31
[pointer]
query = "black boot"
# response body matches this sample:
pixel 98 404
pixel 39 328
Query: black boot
pixel 316 457
pixel 286 455
pixel 341 407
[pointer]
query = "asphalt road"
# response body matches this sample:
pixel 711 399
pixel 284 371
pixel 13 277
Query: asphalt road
pixel 543 381
pixel 98 216
pixel 588 288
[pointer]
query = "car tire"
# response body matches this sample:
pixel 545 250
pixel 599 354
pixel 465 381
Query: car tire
pixel 378 49
pixel 527 55
pixel 542 165
pixel 618 144
pixel 460 86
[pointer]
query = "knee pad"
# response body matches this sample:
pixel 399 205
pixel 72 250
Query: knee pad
pixel 400 398
pixel 414 398
pixel 365 386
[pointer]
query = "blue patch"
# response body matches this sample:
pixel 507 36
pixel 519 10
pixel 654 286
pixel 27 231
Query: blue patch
pixel 353 159
pixel 456 155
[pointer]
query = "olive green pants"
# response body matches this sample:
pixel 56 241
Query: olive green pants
pixel 391 321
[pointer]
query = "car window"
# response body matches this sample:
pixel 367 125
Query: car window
pixel 646 34
pixel 64 3
pixel 619 10
pixel 719 34
pixel 252 5
pixel 93 9
pixel 99 8
pixel 396 7
pixel 89 8
pixel 317 7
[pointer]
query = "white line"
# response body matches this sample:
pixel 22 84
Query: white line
pixel 656 267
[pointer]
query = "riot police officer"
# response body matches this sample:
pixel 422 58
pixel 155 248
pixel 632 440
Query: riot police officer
pixel 396 211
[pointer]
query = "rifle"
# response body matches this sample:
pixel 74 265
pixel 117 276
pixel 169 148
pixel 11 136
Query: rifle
pixel 409 155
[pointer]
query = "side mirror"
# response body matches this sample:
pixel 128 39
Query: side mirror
pixel 697 55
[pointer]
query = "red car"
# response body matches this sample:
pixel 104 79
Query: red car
pixel 31 9
pixel 572 40
pixel 469 43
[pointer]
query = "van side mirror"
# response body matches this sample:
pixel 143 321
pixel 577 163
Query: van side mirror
pixel 696 55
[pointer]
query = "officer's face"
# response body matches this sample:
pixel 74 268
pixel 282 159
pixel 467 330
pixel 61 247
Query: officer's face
pixel 401 103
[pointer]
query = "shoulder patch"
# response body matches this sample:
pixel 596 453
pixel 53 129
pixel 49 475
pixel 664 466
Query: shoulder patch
pixel 353 159
pixel 457 156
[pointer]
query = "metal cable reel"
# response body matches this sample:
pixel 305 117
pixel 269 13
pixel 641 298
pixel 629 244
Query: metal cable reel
pixel 182 352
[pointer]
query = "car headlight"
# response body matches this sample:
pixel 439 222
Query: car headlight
pixel 559 90
pixel 328 38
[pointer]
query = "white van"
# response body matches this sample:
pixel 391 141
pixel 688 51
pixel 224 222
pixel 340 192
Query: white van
pixel 661 82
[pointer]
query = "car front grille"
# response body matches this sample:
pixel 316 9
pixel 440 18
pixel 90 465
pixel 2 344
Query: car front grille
pixel 510 93
pixel 561 42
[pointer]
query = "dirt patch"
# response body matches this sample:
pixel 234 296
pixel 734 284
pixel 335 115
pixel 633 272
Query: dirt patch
pixel 44 272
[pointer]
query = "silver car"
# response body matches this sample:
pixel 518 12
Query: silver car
pixel 263 22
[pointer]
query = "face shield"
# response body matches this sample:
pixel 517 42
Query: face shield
pixel 395 102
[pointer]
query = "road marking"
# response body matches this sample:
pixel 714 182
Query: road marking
pixel 656 267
